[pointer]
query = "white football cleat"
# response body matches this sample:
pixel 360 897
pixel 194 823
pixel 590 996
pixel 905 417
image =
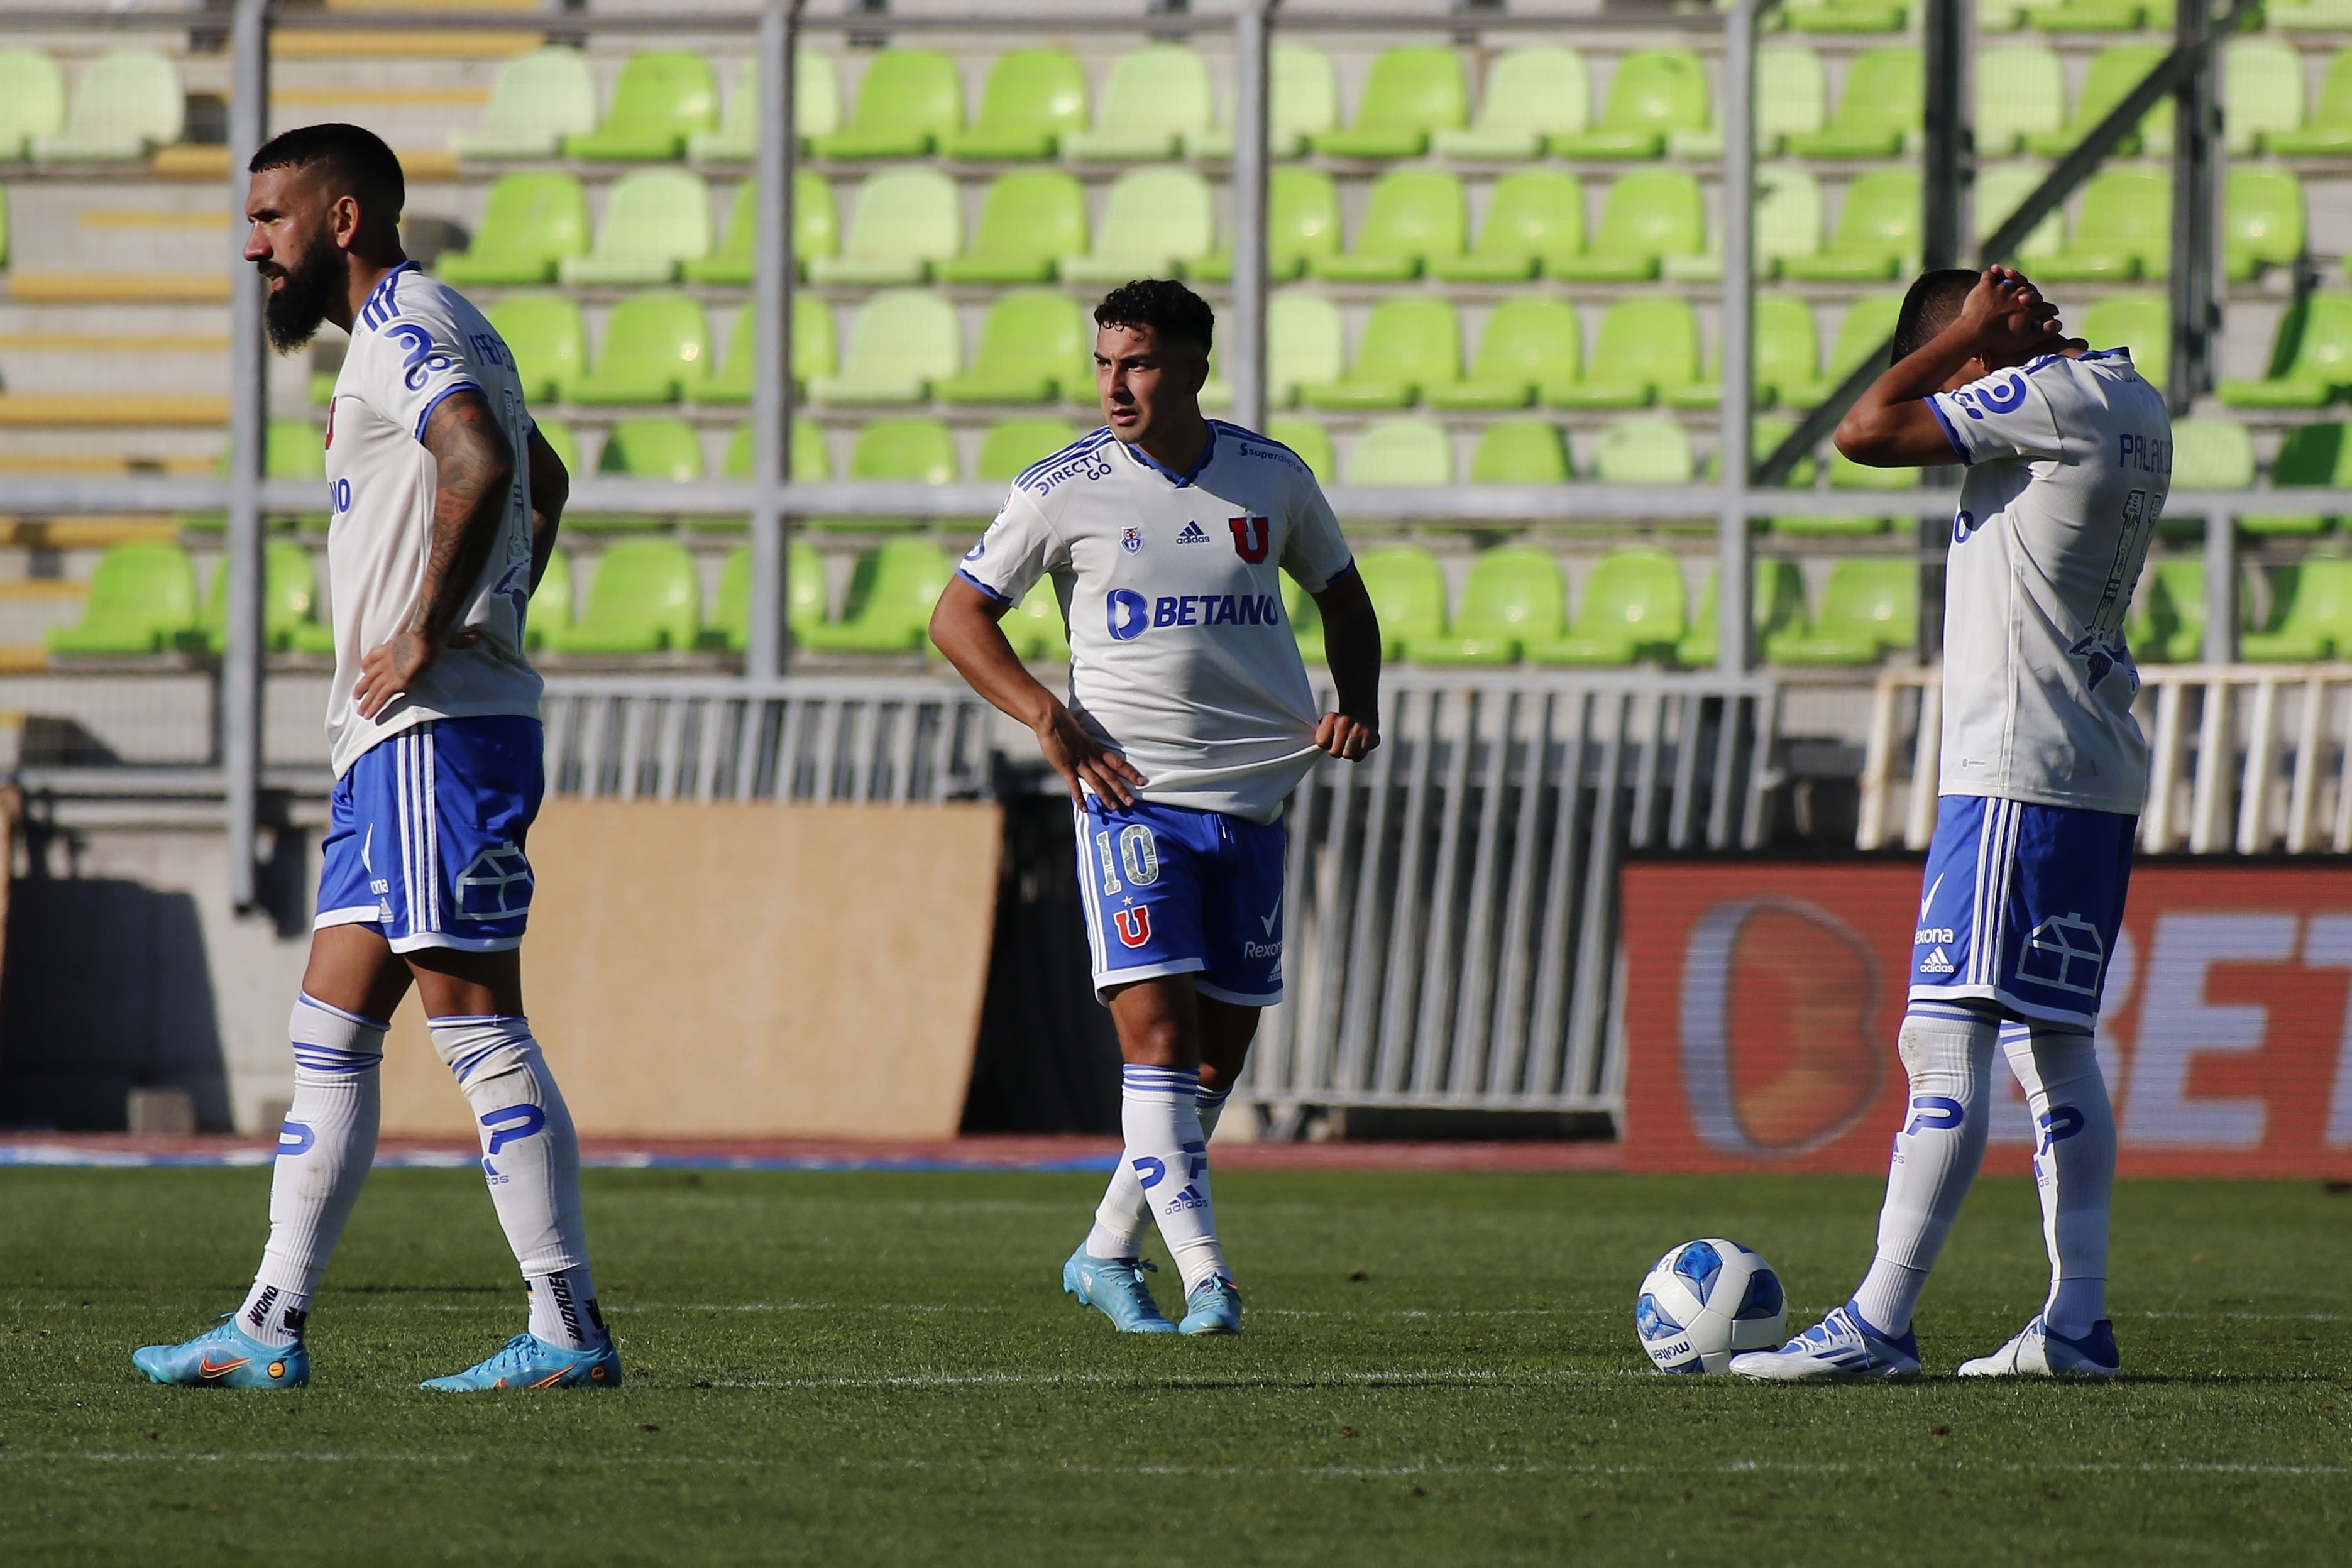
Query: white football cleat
pixel 2040 1350
pixel 1840 1345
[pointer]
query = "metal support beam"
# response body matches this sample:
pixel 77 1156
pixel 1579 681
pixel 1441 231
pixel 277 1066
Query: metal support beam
pixel 773 264
pixel 2197 126
pixel 1243 349
pixel 240 707
pixel 2221 589
pixel 1943 174
pixel 1732 606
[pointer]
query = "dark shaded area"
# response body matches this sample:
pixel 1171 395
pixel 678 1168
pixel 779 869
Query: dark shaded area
pixel 1048 1058
pixel 107 988
pixel 1369 1124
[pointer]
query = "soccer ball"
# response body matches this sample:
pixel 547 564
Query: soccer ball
pixel 1705 1303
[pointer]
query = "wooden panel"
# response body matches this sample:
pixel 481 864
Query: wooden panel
pixel 745 970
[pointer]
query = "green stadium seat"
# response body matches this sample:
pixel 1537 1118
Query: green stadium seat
pixel 2114 73
pixel 663 97
pixel 657 350
pixel 2310 455
pixel 1155 104
pixel 1035 345
pixel 1415 216
pixel 1156 223
pixel 2262 222
pixel 1028 221
pixel 1862 335
pixel 1529 340
pixel 1788 224
pixel 1877 233
pixel 1410 93
pixel 1410 342
pixel 2262 92
pixel 813 351
pixel 289 600
pixel 655 220
pixel 2310 362
pixel 908 102
pixel 1532 217
pixel 1633 609
pixel 1880 113
pixel 1407 587
pixel 1304 96
pixel 1033 97
pixel 2021 93
pixel 1869 605
pixel 2167 622
pixel 2101 16
pixel 728 628
pixel 891 594
pixel 810 458
pixel 2124 230
pixel 1653 93
pixel 916 450
pixel 2310 15
pixel 817 111
pixel 1310 443
pixel 1532 92
pixel 642 449
pixel 1791 100
pixel 2329 131
pixel 2311 614
pixel 816 231
pixel 32 99
pixel 1302 227
pixel 1645 218
pixel 902 224
pixel 2138 319
pixel 645 598
pixel 1647 343
pixel 291 449
pixel 1306 345
pixel 1787 346
pixel 1521 452
pixel 1402 452
pixel 1647 450
pixel 536 100
pixel 1845 473
pixel 1766 432
pixel 2210 452
pixel 1845 16
pixel 1036 627
pixel 1778 603
pixel 900 342
pixel 2001 189
pixel 550 607
pixel 1009 448
pixel 530 226
pixel 1514 596
pixel 143 599
pixel 127 103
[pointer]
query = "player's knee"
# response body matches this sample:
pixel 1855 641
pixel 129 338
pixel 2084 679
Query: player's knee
pixel 479 1051
pixel 328 1040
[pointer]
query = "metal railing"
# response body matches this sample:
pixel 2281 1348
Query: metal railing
pixel 1452 914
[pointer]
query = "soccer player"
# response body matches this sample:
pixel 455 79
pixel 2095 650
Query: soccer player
pixel 2068 457
pixel 1189 721
pixel 445 505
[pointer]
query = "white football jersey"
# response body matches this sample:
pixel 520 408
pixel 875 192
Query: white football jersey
pixel 1180 656
pixel 2069 464
pixel 414 343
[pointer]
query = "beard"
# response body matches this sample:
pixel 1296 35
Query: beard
pixel 291 314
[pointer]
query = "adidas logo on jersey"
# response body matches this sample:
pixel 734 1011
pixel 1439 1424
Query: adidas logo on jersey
pixel 1935 963
pixel 1193 533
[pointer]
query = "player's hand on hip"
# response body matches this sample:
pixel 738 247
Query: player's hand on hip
pixel 1084 762
pixel 1350 739
pixel 390 668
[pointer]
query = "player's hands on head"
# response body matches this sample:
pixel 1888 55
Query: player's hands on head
pixel 1349 739
pixel 1084 762
pixel 391 666
pixel 2006 319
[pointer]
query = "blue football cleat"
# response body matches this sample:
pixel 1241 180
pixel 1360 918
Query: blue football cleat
pixel 225 1357
pixel 1840 1345
pixel 1214 1307
pixel 2041 1351
pixel 529 1362
pixel 1115 1287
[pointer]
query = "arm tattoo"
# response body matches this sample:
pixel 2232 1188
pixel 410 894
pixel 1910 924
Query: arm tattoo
pixel 476 469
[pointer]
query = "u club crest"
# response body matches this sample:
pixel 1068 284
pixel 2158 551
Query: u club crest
pixel 1132 540
pixel 1250 534
pixel 1134 925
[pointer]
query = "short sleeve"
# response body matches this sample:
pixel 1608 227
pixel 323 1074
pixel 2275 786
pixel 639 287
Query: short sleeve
pixel 412 360
pixel 2004 415
pixel 1019 547
pixel 1315 552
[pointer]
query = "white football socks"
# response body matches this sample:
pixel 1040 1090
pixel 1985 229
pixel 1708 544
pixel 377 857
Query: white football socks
pixel 1120 1218
pixel 2073 1165
pixel 1947 1050
pixel 530 1158
pixel 324 1151
pixel 1169 1156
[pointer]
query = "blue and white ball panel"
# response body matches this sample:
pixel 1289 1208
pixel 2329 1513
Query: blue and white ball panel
pixel 1171 891
pixel 426 833
pixel 2021 904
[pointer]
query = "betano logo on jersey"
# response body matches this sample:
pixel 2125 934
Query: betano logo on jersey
pixel 1131 614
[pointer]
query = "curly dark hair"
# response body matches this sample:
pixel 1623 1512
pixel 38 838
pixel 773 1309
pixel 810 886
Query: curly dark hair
pixel 1163 304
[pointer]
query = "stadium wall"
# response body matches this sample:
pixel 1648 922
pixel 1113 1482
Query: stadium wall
pixel 1763 997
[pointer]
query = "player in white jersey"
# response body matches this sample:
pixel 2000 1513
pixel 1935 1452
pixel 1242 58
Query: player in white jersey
pixel 445 501
pixel 1189 720
pixel 2068 457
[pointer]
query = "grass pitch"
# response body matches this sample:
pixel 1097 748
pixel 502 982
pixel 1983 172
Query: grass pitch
pixel 880 1367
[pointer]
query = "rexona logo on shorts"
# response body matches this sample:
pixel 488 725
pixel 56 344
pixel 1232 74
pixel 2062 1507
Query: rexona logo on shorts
pixel 1131 614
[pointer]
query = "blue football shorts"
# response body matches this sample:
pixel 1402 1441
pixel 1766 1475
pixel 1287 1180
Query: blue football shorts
pixel 425 835
pixel 2021 905
pixel 1171 891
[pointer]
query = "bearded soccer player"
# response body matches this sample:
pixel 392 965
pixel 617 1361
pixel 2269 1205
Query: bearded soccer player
pixel 445 500
pixel 1188 722
pixel 2069 458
